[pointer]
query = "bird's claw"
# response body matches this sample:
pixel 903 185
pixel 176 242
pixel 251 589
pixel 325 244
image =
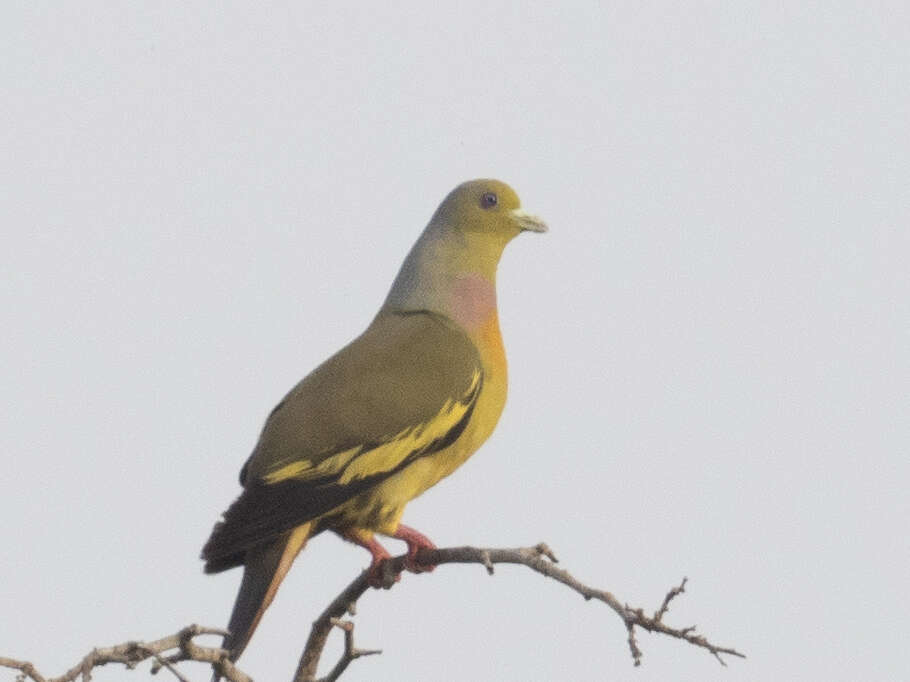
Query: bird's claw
pixel 380 573
pixel 416 541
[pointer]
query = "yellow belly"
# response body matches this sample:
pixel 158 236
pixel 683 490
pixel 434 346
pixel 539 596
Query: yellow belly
pixel 380 509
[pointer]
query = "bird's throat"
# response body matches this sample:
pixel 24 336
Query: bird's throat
pixel 472 302
pixel 450 274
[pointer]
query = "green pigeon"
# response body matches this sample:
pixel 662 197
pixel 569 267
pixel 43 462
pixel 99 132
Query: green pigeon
pixel 385 418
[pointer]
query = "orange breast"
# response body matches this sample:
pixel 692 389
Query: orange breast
pixel 495 380
pixel 380 509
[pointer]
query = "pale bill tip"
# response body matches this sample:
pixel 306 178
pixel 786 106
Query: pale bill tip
pixel 528 221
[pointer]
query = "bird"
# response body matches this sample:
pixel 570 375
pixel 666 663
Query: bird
pixel 388 416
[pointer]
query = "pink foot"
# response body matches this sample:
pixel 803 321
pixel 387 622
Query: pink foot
pixel 375 573
pixel 416 541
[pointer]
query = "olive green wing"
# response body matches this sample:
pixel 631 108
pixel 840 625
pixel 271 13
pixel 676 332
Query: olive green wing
pixel 404 389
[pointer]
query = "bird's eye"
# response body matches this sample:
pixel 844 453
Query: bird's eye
pixel 489 200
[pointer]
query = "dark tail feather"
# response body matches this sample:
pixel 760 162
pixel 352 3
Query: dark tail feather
pixel 264 569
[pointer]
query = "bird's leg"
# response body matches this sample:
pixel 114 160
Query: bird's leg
pixel 379 553
pixel 416 541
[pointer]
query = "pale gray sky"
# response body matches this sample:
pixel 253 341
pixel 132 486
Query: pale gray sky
pixel 709 352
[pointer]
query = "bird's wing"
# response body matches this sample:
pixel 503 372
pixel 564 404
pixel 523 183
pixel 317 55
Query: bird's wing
pixel 404 389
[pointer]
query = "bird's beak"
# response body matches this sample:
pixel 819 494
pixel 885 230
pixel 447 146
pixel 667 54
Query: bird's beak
pixel 529 222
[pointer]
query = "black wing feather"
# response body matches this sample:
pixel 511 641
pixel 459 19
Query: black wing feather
pixel 265 511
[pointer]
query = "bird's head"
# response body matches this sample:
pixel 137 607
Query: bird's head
pixel 452 267
pixel 486 207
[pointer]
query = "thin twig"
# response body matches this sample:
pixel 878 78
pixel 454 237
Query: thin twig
pixel 164 663
pixel 130 654
pixel 676 591
pixel 539 558
pixel 350 651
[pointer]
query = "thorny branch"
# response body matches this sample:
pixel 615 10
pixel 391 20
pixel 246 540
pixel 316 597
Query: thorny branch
pixel 131 654
pixel 539 558
pixel 168 651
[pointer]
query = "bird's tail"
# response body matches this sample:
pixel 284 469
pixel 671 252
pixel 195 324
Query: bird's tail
pixel 264 569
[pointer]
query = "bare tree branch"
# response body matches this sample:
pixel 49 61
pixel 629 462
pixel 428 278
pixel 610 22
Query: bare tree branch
pixel 131 654
pixel 539 558
pixel 350 651
pixel 179 647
